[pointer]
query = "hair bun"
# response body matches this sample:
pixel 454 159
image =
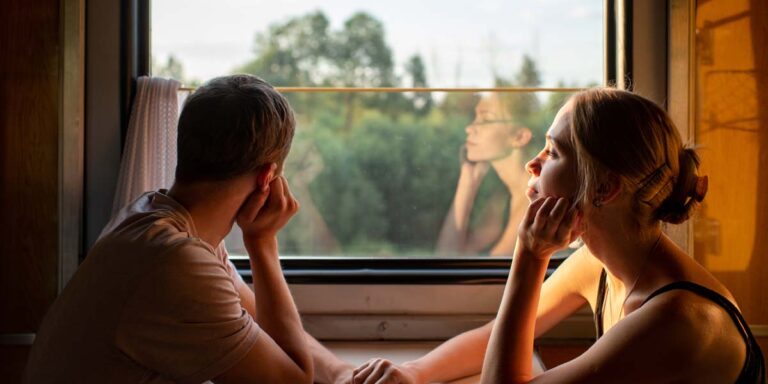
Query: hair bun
pixel 700 189
pixel 689 190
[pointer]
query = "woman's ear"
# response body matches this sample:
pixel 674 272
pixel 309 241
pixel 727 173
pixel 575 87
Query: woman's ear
pixel 520 137
pixel 609 188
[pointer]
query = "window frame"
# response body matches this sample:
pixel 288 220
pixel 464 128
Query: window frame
pixel 392 270
pixel 340 270
pixel 352 299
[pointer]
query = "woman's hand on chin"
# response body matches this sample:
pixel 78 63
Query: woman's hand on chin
pixel 548 226
pixel 473 171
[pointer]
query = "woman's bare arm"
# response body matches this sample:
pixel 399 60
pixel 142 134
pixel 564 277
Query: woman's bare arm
pixel 563 293
pixel 547 226
pixel 455 229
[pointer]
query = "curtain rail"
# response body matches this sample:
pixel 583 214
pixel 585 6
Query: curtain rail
pixel 425 89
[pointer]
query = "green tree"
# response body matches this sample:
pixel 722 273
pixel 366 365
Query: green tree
pixel 291 53
pixel 422 101
pixel 524 106
pixel 303 51
pixel 361 54
pixel 555 100
pixel 528 76
pixel 363 59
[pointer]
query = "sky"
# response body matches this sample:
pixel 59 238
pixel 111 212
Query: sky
pixel 463 43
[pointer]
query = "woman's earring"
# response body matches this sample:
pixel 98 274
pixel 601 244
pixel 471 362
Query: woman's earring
pixel 597 202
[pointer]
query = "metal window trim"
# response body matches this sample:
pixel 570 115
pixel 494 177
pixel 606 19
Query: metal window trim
pixel 136 46
pixel 399 270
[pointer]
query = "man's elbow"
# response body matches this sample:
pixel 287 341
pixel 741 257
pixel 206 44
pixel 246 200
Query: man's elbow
pixel 305 373
pixel 304 377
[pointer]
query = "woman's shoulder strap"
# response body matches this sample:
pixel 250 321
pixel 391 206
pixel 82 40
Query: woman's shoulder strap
pixel 754 365
pixel 707 294
pixel 599 305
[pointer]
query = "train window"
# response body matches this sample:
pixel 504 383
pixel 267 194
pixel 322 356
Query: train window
pixel 413 131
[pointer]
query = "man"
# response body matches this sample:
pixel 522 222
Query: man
pixel 157 300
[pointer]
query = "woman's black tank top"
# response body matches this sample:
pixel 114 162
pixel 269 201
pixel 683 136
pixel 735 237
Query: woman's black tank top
pixel 753 370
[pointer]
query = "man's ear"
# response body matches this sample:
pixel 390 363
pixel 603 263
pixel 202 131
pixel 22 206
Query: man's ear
pixel 520 137
pixel 609 188
pixel 265 174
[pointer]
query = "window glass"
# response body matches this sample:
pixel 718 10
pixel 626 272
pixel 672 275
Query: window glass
pixel 307 43
pixel 421 173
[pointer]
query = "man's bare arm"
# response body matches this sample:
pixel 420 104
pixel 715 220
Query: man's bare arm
pixel 281 353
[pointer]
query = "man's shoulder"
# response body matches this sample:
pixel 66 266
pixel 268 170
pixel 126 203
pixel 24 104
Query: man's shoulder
pixel 157 231
pixel 152 216
pixel 186 262
pixel 153 250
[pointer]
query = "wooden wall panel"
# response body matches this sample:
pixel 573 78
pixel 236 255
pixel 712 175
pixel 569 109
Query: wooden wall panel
pixel 731 127
pixel 29 171
pixel 29 115
pixel 41 152
pixel 13 359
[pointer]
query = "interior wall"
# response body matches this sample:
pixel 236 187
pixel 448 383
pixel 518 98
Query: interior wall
pixel 731 129
pixel 30 57
pixel 102 106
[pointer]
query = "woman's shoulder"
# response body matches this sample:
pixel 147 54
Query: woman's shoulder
pixel 675 334
pixel 699 322
pixel 683 271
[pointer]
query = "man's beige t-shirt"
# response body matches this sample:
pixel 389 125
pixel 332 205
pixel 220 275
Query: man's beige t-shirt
pixel 152 303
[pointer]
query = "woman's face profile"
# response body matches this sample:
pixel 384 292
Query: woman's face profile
pixel 553 170
pixel 490 135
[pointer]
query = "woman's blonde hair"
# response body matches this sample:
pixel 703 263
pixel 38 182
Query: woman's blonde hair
pixel 616 133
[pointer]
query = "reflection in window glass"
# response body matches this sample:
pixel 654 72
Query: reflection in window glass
pixel 377 175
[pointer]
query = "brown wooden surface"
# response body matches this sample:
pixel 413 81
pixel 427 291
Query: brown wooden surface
pixel 29 116
pixel 12 362
pixel 29 123
pixel 763 341
pixel 29 112
pixel 554 355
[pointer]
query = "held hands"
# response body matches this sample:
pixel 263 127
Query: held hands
pixel 383 371
pixel 267 210
pixel 548 226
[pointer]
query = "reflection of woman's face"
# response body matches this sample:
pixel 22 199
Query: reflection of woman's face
pixel 489 136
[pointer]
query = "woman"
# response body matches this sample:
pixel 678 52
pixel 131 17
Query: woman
pixel 613 169
pixel 494 139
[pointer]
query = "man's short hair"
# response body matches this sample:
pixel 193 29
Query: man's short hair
pixel 231 126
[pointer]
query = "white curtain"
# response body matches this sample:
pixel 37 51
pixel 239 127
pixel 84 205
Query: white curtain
pixel 149 155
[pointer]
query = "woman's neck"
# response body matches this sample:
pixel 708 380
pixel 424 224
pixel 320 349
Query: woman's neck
pixel 622 247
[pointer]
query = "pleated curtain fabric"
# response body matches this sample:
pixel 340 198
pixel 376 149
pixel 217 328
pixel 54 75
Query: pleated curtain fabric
pixel 149 155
